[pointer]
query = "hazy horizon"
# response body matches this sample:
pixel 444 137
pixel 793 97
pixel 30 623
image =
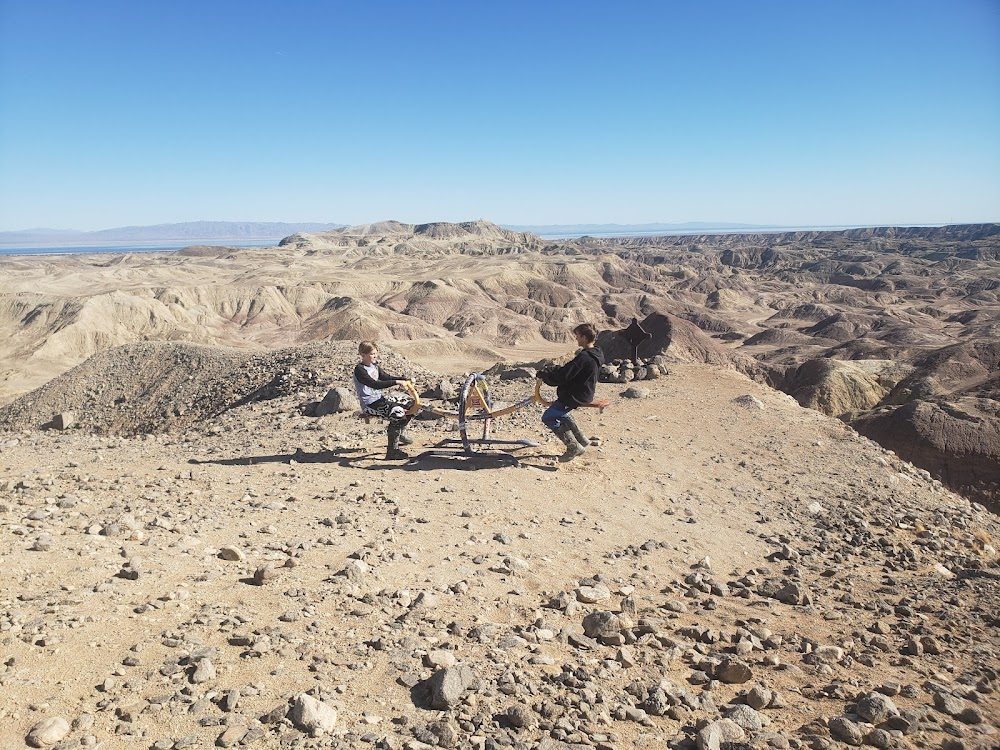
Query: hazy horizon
pixel 781 114
pixel 48 233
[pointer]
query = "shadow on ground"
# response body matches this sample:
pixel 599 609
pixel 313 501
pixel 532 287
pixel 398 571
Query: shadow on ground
pixel 359 458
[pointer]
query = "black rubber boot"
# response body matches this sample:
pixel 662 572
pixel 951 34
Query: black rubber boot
pixel 393 453
pixel 405 439
pixel 573 449
pixel 575 429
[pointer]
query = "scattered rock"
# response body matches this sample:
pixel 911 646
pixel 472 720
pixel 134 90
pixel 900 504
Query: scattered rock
pixel 876 708
pixel 310 714
pixel 48 732
pixel 448 686
pixel 716 733
pixel 63 420
pixel 635 391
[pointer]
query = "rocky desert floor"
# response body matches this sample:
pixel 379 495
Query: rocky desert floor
pixel 723 569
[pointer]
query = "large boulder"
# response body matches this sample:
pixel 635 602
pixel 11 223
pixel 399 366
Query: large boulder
pixel 336 400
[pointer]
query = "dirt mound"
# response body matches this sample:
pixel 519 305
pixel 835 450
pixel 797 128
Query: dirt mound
pixel 807 311
pixel 961 365
pixel 785 337
pixel 958 440
pixel 152 388
pixel 843 326
pixel 837 387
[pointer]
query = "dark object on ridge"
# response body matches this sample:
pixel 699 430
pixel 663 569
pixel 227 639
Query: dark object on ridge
pixel 635 334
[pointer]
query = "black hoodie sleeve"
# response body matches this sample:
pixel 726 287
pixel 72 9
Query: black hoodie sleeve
pixel 565 374
pixel 576 381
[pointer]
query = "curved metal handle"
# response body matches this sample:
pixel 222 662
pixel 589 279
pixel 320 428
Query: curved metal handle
pixel 537 398
pixel 408 385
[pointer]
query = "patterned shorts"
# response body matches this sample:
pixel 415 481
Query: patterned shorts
pixel 392 408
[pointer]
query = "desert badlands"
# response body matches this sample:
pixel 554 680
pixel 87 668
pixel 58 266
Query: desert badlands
pixel 202 546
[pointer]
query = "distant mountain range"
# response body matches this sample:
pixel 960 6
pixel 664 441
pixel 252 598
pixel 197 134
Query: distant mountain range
pixel 233 232
pixel 193 231
pixel 618 229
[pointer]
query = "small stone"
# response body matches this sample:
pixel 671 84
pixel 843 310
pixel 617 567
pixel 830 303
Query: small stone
pixel 520 716
pixel 232 736
pixel 593 594
pixel 949 704
pixel 204 672
pixel 448 685
pixel 234 554
pixel 336 400
pixel 746 717
pixel 309 714
pixel 42 543
pixel 733 672
pixel 830 653
pixel 601 625
pixel 439 658
pixel 845 730
pixel 931 645
pixel 712 736
pixel 355 571
pixel 759 697
pixel 63 420
pixel 275 715
pixel 264 573
pixel 637 715
pixel 875 708
pixel 795 594
pixel 635 391
pixel 748 402
pixel 879 738
pixel 48 731
pixel 970 715
pixel 626 657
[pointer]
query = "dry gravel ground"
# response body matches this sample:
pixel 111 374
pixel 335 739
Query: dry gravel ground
pixel 745 558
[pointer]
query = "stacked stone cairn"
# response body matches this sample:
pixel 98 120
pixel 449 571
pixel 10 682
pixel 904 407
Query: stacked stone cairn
pixel 626 371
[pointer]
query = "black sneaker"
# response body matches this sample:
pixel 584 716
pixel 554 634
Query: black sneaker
pixel 397 455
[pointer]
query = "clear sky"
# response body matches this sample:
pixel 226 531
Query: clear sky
pixel 131 112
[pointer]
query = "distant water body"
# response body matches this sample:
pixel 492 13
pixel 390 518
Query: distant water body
pixel 133 247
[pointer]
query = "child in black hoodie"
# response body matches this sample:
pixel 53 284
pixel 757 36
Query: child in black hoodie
pixel 575 383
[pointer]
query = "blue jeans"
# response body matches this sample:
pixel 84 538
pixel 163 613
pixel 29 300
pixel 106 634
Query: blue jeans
pixel 553 416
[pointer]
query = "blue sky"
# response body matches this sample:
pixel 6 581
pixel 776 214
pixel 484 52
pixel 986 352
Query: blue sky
pixel 790 113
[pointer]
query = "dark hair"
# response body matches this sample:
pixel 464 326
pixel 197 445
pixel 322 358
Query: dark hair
pixel 588 332
pixel 367 347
